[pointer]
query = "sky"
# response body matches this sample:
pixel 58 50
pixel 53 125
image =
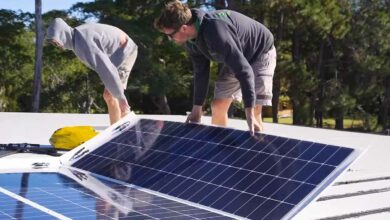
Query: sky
pixel 29 5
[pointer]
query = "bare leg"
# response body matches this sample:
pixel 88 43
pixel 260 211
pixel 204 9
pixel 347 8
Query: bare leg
pixel 123 114
pixel 114 111
pixel 258 116
pixel 219 109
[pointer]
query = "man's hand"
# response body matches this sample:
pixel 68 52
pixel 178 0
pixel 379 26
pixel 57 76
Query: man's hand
pixel 253 124
pixel 195 115
pixel 124 106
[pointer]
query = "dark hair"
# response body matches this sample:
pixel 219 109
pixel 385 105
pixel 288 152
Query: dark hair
pixel 173 15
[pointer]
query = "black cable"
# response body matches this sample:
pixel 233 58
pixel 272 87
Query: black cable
pixel 29 148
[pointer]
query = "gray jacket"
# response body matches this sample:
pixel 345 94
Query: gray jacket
pixel 98 46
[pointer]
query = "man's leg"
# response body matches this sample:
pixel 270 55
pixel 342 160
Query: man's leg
pixel 264 69
pixel 258 116
pixel 124 71
pixel 114 111
pixel 219 109
pixel 227 88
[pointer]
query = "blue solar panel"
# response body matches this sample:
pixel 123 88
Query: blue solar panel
pixel 11 208
pixel 254 177
pixel 73 194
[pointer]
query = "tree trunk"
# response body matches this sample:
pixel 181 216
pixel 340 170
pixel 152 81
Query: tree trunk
pixel 339 120
pixel 296 59
pixel 275 99
pixel 318 108
pixel 38 56
pixel 161 102
pixel 276 86
pixel 295 113
pixel 295 46
pixel 385 120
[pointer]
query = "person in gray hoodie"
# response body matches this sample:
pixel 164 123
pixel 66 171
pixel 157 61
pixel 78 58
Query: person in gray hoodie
pixel 107 50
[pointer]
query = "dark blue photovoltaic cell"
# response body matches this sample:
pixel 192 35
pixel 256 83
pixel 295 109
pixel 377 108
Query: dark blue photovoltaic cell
pixel 260 176
pixel 339 156
pixel 11 208
pixel 62 195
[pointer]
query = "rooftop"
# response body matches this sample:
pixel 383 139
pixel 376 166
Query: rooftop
pixel 363 191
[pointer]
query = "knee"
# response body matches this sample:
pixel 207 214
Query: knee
pixel 218 107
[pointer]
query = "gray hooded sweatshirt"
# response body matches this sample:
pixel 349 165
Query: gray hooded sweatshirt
pixel 98 46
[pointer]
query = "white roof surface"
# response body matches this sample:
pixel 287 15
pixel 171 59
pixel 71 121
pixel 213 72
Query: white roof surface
pixel 362 192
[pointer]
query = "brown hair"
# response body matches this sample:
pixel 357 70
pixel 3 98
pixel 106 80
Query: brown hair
pixel 173 15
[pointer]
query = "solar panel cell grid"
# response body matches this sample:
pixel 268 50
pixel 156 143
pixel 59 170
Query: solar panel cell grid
pixel 11 208
pixel 56 193
pixel 258 176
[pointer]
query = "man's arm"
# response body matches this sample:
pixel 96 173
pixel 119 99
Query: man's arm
pixel 225 45
pixel 201 66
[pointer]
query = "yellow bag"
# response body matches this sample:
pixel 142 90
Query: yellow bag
pixel 67 138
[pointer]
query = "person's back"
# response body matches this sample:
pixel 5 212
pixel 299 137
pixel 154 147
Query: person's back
pixel 253 37
pixel 96 38
pixel 107 50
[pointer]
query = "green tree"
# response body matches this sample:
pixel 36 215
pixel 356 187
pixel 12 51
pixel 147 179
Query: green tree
pixel 366 61
pixel 16 52
pixel 302 30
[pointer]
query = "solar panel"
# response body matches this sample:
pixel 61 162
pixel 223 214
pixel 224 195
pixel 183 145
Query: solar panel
pixel 72 194
pixel 11 208
pixel 241 176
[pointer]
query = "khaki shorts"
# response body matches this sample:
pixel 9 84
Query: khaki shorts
pixel 125 68
pixel 228 86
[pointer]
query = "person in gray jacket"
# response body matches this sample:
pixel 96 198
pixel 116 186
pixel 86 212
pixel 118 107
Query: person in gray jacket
pixel 244 49
pixel 105 49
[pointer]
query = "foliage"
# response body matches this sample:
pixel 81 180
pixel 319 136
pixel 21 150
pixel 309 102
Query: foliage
pixel 333 57
pixel 16 56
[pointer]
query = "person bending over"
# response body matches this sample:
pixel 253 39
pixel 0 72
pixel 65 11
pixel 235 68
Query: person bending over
pixel 105 49
pixel 244 49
